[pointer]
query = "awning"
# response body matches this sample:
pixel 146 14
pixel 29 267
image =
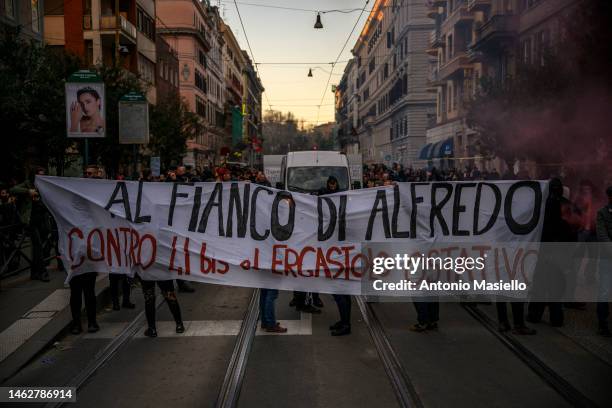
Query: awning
pixel 435 151
pixel 447 148
pixel 424 154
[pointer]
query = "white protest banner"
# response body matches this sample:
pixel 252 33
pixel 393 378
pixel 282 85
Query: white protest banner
pixel 243 234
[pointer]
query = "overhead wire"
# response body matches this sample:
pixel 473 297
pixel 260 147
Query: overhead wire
pixel 340 54
pixel 250 49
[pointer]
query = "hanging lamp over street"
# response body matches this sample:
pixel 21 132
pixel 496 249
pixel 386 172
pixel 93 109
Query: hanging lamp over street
pixel 318 23
pixel 310 72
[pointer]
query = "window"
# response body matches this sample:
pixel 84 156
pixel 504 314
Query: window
pixel 200 106
pixel 145 24
pixel 35 16
pixel 200 81
pixel 146 69
pixel 202 58
pixel 9 8
pixel 372 65
pixel 527 51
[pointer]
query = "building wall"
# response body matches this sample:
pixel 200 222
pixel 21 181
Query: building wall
pixel 167 73
pixel 491 40
pixel 387 100
pixel 28 15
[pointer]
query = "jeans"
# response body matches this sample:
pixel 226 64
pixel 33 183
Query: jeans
pixel 266 307
pixel 604 289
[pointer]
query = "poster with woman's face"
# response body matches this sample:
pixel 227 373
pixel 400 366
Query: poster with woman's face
pixel 85 114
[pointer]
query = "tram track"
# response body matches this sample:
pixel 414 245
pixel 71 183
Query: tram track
pixel 405 391
pixel 232 382
pixel 107 353
pixel 563 387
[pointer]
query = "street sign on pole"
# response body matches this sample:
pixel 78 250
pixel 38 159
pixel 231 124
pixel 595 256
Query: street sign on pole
pixel 133 119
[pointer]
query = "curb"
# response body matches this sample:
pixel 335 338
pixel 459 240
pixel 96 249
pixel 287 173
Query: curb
pixel 44 337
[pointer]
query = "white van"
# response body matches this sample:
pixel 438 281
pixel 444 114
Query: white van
pixel 308 171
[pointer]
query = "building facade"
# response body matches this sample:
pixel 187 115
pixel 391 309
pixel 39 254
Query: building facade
pixel 26 17
pixel 475 39
pixel 167 76
pixel 185 25
pixel 252 112
pixel 89 29
pixel 385 87
pixel 234 66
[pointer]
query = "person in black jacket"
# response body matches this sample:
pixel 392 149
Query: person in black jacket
pixel 343 326
pixel 555 228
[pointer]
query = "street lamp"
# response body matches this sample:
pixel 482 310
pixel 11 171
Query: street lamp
pixel 318 23
pixel 310 72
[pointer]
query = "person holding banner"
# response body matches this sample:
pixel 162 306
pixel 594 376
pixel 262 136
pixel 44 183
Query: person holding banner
pixel 84 285
pixel 343 326
pixel 267 297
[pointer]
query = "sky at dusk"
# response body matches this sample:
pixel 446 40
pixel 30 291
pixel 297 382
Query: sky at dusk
pixel 278 35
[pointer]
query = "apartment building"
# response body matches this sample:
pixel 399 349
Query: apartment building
pixel 234 65
pixel 185 25
pixel 390 97
pixel 473 39
pixel 25 15
pixel 215 119
pixel 347 110
pixel 88 29
pixel 252 108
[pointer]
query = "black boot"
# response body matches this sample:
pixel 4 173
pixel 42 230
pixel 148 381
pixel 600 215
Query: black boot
pixel 341 331
pixel 175 309
pixel 150 332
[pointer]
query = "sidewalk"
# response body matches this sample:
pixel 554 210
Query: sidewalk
pixel 33 314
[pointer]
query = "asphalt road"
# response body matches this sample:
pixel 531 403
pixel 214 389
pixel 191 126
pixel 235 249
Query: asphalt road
pixel 461 364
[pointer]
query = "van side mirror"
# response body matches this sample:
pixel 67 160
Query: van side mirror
pixel 356 185
pixel 280 185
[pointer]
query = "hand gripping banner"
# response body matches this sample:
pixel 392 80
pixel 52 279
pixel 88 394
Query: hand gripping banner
pixel 243 234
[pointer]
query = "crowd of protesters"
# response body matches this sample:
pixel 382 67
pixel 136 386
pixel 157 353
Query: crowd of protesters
pixel 581 217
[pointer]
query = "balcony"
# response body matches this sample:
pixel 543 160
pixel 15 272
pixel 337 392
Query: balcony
pixel 109 23
pixel 499 28
pixel 432 10
pixel 434 78
pixel 435 39
pixel 436 3
pixel 460 15
pixel 457 63
pixel 478 5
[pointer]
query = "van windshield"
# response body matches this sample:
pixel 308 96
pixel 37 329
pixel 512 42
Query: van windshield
pixel 313 179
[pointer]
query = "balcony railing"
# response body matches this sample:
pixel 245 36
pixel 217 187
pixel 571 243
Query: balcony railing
pixel 498 26
pixel 457 63
pixel 435 39
pixel 478 5
pixel 110 23
pixel 459 15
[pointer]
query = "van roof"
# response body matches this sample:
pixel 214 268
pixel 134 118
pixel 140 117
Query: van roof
pixel 316 158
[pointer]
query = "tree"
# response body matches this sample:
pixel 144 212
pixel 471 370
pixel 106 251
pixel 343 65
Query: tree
pixel 32 114
pixel 171 124
pixel 558 111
